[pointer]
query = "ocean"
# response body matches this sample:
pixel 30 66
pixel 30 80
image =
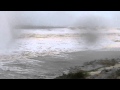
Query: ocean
pixel 40 53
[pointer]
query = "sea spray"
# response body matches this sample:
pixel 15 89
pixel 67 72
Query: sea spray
pixel 5 31
pixel 92 26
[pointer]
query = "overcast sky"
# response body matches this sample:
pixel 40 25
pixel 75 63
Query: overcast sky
pixel 62 18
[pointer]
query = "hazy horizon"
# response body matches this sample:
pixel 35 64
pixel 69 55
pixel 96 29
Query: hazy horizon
pixel 62 18
pixel 90 19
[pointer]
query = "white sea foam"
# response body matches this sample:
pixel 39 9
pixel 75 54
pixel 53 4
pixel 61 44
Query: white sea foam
pixel 55 45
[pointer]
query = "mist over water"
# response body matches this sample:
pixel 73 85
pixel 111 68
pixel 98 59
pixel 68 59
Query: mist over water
pixel 89 20
pixel 92 25
pixel 5 31
pixel 8 33
pixel 77 37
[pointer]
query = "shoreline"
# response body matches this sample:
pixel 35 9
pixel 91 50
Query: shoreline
pixel 59 65
pixel 49 67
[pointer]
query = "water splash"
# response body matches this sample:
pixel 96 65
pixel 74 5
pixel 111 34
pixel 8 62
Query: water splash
pixel 5 31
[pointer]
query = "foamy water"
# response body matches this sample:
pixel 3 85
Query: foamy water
pixel 39 42
pixel 16 61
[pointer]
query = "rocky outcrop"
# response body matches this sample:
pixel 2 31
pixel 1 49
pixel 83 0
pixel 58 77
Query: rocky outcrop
pixel 99 69
pixel 107 74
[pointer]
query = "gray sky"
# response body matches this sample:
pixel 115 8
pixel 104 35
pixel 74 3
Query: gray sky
pixel 61 18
